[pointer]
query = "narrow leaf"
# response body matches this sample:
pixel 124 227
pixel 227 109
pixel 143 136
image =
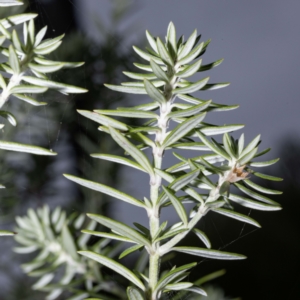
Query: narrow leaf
pixel 203 237
pixel 130 250
pixel 126 89
pixel 177 205
pixel 254 194
pixel 9 117
pixel 29 100
pixel 127 113
pixel 103 120
pixel 236 216
pixel 106 190
pixel 137 154
pixel 182 129
pixel 196 86
pixel 115 266
pixel 121 229
pixel 253 204
pixel 154 93
pixel 189 70
pixel 188 45
pixel 11 146
pixel 119 159
pixel 134 294
pixel 61 87
pixel 158 71
pixel 164 53
pixel 208 253
pixel 261 189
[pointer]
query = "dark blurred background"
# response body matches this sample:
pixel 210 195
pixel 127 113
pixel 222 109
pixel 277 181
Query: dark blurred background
pixel 260 43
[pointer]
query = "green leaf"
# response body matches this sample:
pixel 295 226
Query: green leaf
pixel 196 86
pixel 178 286
pixel 43 281
pixel 214 130
pixel 121 229
pixel 263 152
pixel 137 154
pixel 251 145
pixel 164 53
pixel 210 66
pixel 5 232
pixel 208 253
pixel 10 2
pixel 154 93
pixel 177 205
pixel 253 204
pixel 40 35
pixel 17 19
pixel 146 55
pixel 247 157
pixel 103 120
pixel 115 266
pixel 228 145
pixel 13 60
pixel 108 235
pixel 191 55
pixel 158 71
pixel 130 250
pixel 10 118
pixel 191 146
pixel 119 159
pixel 140 76
pixel 182 129
pixel 126 89
pixel 16 42
pixel 145 107
pixel 29 100
pixel 11 146
pixel 263 163
pixel 236 216
pixel 46 69
pixel 151 41
pixel 254 194
pixel 2 82
pixel 189 70
pixel 241 144
pixel 134 294
pixel 128 113
pixel 68 242
pixel 171 275
pixel 261 189
pixel 203 237
pixel 268 177
pixel 215 86
pixel 106 190
pixel 61 87
pixel 188 45
pixel 213 146
pixel 31 89
pixel 171 37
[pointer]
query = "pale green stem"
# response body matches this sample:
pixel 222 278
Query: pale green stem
pixel 155 258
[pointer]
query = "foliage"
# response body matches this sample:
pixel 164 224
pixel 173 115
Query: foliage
pixel 204 180
pixel 57 265
pixel 25 70
pixel 230 161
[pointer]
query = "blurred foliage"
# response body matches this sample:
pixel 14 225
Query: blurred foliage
pixel 32 181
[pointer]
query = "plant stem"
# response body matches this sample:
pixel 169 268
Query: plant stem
pixel 154 256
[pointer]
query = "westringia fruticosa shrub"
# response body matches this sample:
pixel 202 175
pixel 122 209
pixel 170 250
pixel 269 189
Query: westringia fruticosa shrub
pixel 164 78
pixel 54 237
pixel 24 70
